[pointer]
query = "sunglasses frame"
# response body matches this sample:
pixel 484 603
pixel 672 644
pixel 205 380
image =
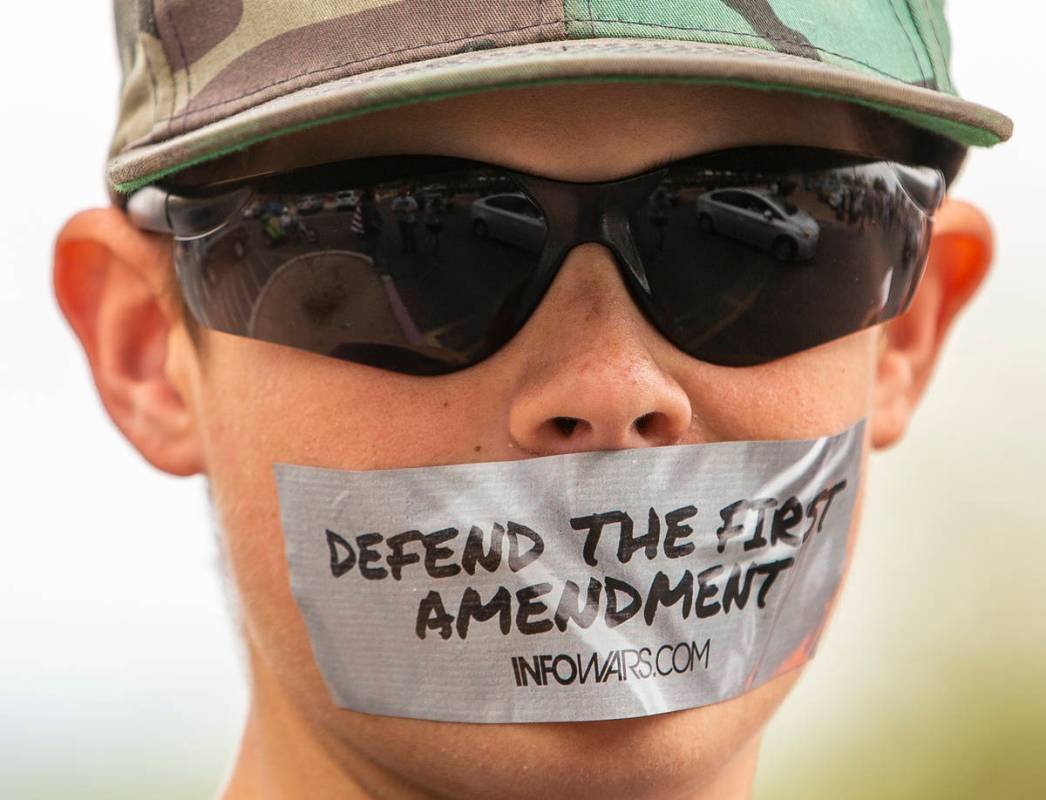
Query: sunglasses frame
pixel 575 213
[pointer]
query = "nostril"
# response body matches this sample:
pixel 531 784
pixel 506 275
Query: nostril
pixel 656 428
pixel 645 424
pixel 565 425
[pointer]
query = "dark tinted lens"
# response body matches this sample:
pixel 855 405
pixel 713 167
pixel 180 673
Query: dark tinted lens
pixel 746 266
pixel 420 274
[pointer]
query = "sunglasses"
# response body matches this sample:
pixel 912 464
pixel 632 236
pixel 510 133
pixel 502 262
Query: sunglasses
pixel 426 265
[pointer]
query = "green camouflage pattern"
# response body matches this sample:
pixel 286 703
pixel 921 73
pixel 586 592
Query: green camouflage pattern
pixel 905 40
pixel 189 63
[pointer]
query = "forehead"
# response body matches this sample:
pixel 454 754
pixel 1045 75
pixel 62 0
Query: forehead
pixel 584 132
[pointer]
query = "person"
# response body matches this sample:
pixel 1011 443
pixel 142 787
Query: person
pixel 659 214
pixel 405 209
pixel 367 223
pixel 433 221
pixel 600 345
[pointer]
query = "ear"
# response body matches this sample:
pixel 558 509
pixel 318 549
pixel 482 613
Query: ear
pixel 960 253
pixel 111 281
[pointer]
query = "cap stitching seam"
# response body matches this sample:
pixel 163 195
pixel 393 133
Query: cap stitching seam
pixel 187 113
pixel 908 36
pixel 922 39
pixel 767 37
pixel 792 40
pixel 152 82
pixel 188 70
pixel 933 28
pixel 940 47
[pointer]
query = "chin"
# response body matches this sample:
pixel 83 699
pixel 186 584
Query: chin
pixel 662 757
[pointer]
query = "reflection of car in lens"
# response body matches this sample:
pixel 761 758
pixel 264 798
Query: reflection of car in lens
pixel 759 218
pixel 310 204
pixel 511 218
pixel 346 200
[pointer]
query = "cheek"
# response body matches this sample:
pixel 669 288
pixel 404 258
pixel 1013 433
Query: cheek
pixel 264 404
pixel 817 392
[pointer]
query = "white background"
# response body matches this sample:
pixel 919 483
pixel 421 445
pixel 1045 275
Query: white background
pixel 120 674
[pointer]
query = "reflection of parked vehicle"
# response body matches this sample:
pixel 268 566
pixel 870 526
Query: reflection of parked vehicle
pixel 511 218
pixel 346 200
pixel 310 204
pixel 761 219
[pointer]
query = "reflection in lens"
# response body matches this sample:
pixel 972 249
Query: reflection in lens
pixel 420 276
pixel 761 218
pixel 511 218
pixel 745 267
pixel 435 271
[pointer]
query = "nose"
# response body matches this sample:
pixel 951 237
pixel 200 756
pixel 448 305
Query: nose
pixel 592 379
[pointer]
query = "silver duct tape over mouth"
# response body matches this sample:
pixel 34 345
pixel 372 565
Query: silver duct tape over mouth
pixel 587 586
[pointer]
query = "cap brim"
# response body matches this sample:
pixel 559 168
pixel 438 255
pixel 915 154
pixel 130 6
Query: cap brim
pixel 966 123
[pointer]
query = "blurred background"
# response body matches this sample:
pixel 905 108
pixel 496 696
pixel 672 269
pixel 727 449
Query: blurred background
pixel 120 673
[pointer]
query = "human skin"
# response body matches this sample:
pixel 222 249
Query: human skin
pixel 229 407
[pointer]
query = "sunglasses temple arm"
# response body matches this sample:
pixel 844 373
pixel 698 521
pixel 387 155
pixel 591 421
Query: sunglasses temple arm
pixel 147 210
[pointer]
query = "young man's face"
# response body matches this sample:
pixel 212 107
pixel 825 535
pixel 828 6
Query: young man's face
pixel 586 354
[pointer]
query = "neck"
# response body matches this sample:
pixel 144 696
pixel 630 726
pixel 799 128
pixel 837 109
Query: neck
pixel 283 755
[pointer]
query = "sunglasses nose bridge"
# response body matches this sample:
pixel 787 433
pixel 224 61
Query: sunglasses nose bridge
pixel 598 212
pixel 618 201
pixel 616 233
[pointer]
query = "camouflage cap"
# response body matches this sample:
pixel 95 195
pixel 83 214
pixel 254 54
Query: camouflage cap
pixel 204 78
